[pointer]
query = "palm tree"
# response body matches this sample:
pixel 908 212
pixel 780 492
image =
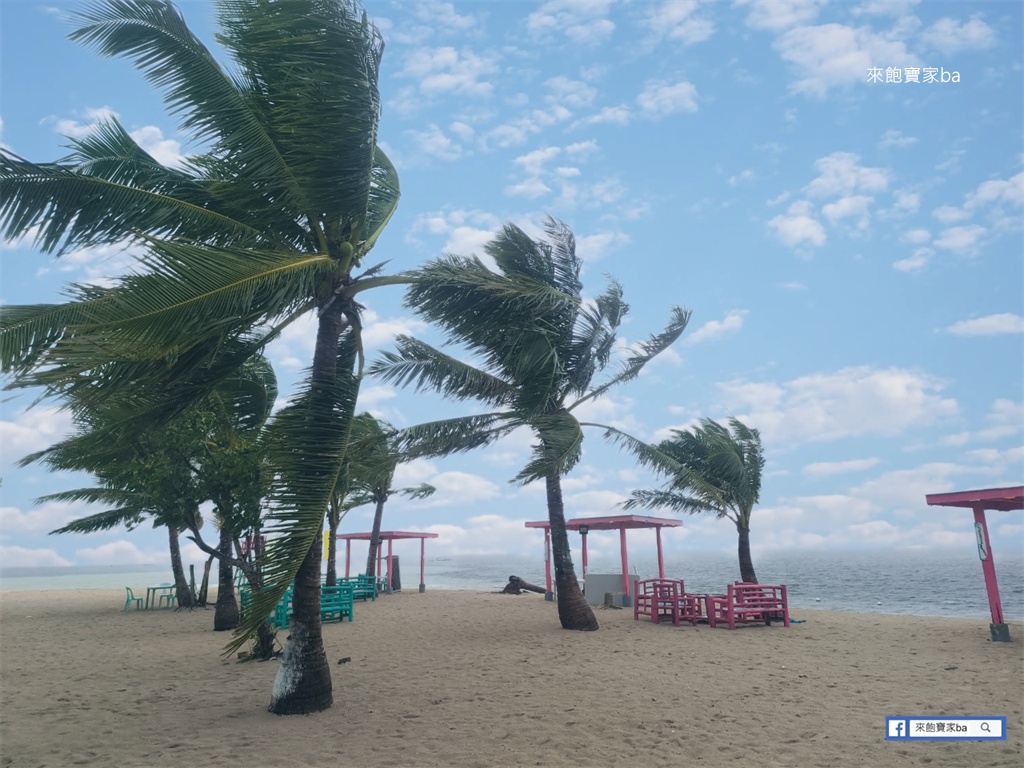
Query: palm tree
pixel 535 364
pixel 266 224
pixel 145 476
pixel 367 477
pixel 711 469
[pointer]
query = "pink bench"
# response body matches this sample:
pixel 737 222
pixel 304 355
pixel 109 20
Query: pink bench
pixel 664 598
pixel 746 603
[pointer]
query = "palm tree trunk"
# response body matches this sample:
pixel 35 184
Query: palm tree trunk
pixel 573 610
pixel 378 516
pixel 185 597
pixel 746 564
pixel 303 682
pixel 226 615
pixel 332 547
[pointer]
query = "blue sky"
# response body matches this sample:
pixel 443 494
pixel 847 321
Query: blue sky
pixel 850 247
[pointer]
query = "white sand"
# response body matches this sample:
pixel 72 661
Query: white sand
pixel 475 679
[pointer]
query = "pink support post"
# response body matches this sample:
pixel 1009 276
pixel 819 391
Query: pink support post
pixel 389 565
pixel 584 535
pixel 423 565
pixel 989 567
pixel 550 594
pixel 627 601
pixel 348 554
pixel 661 559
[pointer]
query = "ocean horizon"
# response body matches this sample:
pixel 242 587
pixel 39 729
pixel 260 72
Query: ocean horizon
pixel 893 582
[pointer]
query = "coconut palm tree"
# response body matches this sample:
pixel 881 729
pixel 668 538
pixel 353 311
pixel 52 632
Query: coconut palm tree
pixel 711 469
pixel 534 365
pixel 267 223
pixel 369 471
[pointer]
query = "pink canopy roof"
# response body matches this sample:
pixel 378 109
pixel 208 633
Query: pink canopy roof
pixel 388 535
pixel 613 523
pixel 1002 499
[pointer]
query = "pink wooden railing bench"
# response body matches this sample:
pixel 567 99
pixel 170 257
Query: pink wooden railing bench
pixel 664 598
pixel 746 603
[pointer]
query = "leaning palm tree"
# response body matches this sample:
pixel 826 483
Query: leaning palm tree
pixel 145 476
pixel 710 469
pixel 266 224
pixel 534 365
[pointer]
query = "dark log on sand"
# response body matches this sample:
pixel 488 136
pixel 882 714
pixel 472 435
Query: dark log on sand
pixel 516 586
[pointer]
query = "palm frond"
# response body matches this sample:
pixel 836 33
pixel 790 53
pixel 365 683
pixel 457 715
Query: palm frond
pixel 213 106
pixel 675 502
pixel 648 350
pixel 71 208
pixel 440 438
pixel 558 449
pixel 383 199
pixel 101 521
pixel 307 446
pixel 416 363
pixel 421 491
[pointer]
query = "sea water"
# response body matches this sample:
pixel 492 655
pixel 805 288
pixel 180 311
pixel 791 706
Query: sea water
pixel 897 582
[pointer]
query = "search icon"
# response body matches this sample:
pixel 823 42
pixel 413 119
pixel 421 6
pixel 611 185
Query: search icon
pixel 985 727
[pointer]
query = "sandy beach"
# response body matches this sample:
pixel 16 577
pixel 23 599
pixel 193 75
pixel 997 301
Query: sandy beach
pixel 476 679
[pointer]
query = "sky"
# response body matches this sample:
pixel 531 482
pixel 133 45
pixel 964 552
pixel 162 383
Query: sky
pixel 834 189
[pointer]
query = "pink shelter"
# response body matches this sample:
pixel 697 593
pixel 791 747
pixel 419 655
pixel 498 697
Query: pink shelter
pixel 1003 499
pixel 620 523
pixel 389 537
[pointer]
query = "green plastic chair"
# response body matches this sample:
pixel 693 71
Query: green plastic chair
pixel 132 599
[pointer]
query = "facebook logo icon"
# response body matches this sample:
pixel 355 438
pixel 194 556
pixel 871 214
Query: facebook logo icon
pixel 897 728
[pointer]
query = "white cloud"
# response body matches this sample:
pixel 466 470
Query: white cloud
pixel 906 202
pixel 990 325
pixel 834 55
pixel 717 329
pixel 42 519
pixel 962 240
pixel 378 331
pixel 116 553
pixel 894 138
pixel 533 162
pixel 583 23
pixel 446 70
pixel 459 488
pixel 916 262
pixel 884 7
pixel 22 557
pixel 443 15
pixel 830 468
pixel 570 93
pixel 949 36
pixel 842 174
pixel 33 429
pixel 678 21
pixel 851 206
pixel 916 236
pixel 777 15
pixel 997 191
pixel 433 143
pixel 661 99
pixel 529 188
pixel 467 231
pixel 949 214
pixel 797 226
pixel 743 177
pixel 828 406
pixel 167 152
pixel 592 248
pixel 85 122
pixel 619 115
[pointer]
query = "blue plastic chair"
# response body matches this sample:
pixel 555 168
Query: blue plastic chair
pixel 132 599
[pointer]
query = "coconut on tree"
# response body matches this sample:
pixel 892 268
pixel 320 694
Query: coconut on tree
pixel 533 364
pixel 268 222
